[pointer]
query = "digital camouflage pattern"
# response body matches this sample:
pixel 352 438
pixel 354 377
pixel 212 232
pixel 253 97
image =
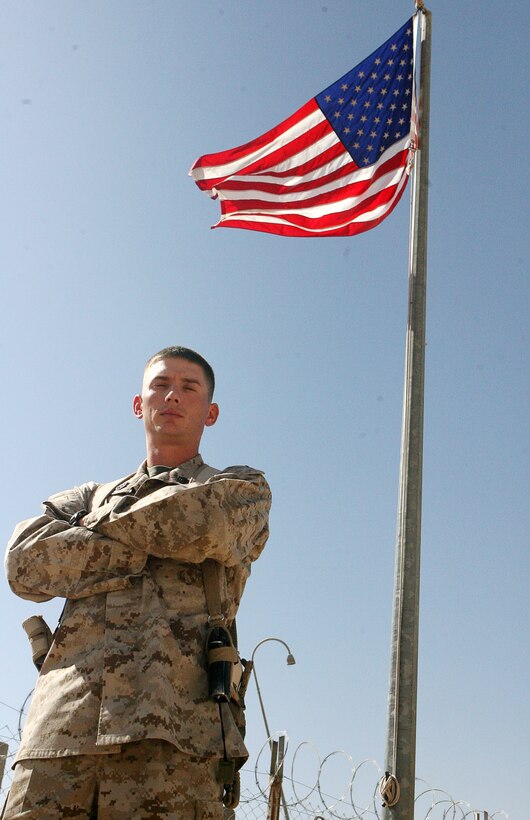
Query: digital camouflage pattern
pixel 148 779
pixel 127 661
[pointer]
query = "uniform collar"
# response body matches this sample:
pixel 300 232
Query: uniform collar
pixel 177 475
pixel 188 469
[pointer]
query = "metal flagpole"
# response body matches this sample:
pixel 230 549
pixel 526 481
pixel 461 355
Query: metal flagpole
pixel 397 786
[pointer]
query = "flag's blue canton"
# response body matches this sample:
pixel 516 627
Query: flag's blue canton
pixel 369 108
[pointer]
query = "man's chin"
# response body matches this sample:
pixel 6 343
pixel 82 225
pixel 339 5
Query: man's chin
pixel 169 423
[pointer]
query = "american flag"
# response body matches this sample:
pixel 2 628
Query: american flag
pixel 337 167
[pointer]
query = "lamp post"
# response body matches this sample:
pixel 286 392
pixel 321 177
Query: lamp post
pixel 290 662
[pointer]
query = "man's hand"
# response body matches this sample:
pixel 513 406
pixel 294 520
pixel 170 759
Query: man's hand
pixel 70 505
pixel 92 519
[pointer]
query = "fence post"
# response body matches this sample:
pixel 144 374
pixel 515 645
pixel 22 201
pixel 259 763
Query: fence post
pixel 4 748
pixel 276 779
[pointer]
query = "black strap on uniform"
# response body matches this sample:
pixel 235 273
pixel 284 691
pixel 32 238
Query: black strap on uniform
pixel 211 576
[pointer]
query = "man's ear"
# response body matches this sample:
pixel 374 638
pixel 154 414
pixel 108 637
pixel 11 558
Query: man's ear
pixel 213 415
pixel 137 407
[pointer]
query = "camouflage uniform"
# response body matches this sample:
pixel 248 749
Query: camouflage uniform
pixel 148 779
pixel 128 662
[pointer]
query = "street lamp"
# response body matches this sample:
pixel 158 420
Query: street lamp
pixel 290 662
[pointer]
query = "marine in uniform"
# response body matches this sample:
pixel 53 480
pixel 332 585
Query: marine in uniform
pixel 121 724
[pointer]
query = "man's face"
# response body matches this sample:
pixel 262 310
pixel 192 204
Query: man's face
pixel 174 403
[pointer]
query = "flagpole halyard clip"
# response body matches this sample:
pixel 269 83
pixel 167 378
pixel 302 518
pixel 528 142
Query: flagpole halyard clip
pixel 412 154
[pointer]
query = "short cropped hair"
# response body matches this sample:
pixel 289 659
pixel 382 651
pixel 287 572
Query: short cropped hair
pixel 177 352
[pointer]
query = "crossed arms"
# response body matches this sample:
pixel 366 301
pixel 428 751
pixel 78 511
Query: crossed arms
pixel 225 519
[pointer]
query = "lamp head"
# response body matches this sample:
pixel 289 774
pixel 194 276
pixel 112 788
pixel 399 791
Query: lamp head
pixel 290 660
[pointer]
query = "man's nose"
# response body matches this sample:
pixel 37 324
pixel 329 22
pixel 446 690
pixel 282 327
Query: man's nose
pixel 173 394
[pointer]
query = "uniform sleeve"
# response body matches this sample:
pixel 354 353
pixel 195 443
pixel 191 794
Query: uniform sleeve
pixel 225 519
pixel 48 557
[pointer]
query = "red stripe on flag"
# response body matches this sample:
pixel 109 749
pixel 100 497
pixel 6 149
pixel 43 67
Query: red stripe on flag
pixel 330 219
pixel 337 193
pixel 288 229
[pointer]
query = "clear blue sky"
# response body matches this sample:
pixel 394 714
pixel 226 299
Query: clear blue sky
pixel 107 256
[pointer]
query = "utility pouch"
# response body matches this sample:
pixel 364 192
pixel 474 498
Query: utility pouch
pixel 40 638
pixel 226 772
